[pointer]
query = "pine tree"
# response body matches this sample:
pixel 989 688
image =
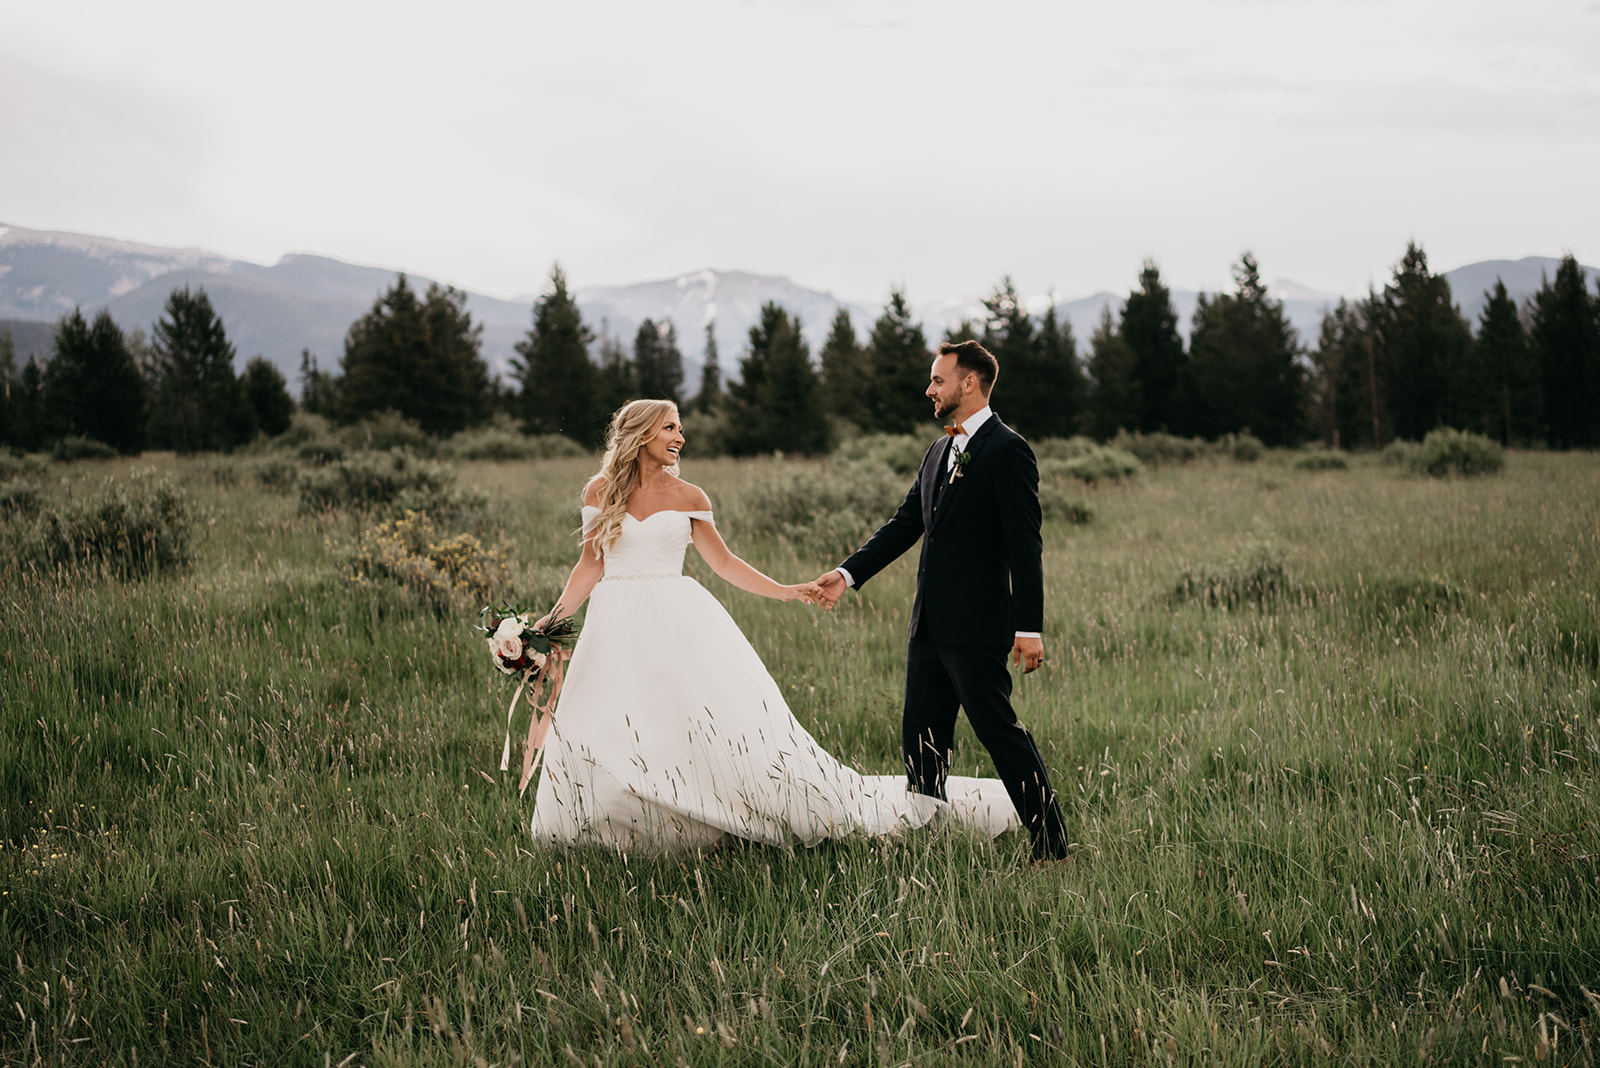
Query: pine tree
pixel 1150 331
pixel 1566 340
pixel 1009 336
pixel 8 381
pixel 1060 375
pixel 555 374
pixel 92 386
pixel 617 378
pixel 1420 341
pixel 899 361
pixel 1334 390
pixel 657 362
pixel 29 423
pixel 846 375
pixel 709 399
pixel 776 406
pixel 1243 370
pixel 1502 390
pixel 416 356
pixel 1114 400
pixel 266 392
pixel 1039 364
pixel 197 404
pixel 317 387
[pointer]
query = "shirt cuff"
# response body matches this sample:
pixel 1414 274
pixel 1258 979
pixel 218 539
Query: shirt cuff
pixel 848 581
pixel 1028 634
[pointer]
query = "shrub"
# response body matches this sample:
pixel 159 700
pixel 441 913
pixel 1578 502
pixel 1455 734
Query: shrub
pixel 138 527
pixel 501 440
pixel 705 434
pixel 443 570
pixel 827 510
pixel 277 475
pixel 900 453
pixel 1098 463
pixel 1243 448
pixel 20 500
pixel 303 427
pixel 1322 460
pixel 1160 448
pixel 79 447
pixel 20 465
pixel 1056 503
pixel 369 480
pixel 320 451
pixel 1447 452
pixel 459 506
pixel 1256 575
pixel 220 472
pixel 1398 453
pixel 388 430
pixel 1063 448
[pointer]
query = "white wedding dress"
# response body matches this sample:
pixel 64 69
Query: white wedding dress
pixel 670 734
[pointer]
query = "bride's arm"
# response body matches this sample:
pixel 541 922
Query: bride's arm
pixel 588 571
pixel 737 572
pixel 580 584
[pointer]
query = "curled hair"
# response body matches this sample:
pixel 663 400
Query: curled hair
pixel 971 356
pixel 633 425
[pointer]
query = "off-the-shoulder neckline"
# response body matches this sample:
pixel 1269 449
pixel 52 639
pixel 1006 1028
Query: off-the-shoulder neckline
pixel 690 512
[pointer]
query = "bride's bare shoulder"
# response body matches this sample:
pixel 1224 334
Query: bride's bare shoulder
pixel 692 498
pixel 591 492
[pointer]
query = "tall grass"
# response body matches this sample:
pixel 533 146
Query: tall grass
pixel 251 811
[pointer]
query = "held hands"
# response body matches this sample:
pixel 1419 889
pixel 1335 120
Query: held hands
pixel 832 587
pixel 809 592
pixel 1028 653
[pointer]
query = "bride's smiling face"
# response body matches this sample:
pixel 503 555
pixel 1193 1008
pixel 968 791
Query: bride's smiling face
pixel 664 446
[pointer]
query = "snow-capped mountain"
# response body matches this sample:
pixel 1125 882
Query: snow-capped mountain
pixel 308 302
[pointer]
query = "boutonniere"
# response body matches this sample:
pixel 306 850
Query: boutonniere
pixel 960 469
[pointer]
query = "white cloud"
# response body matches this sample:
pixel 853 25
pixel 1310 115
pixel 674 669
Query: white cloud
pixel 847 144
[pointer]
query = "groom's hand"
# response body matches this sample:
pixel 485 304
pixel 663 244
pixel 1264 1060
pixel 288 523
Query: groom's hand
pixel 1028 653
pixel 833 587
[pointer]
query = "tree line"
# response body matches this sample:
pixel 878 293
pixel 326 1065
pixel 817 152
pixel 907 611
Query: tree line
pixel 1396 364
pixel 176 389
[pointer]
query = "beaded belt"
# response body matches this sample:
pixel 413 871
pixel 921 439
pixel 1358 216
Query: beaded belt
pixel 634 578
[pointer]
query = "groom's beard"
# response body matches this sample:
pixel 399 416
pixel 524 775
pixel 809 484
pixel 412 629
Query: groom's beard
pixel 942 408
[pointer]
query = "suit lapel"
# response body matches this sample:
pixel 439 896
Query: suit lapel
pixel 930 475
pixel 974 446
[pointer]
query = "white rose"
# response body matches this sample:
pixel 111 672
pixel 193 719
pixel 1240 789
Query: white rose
pixel 507 647
pixel 537 658
pixel 510 627
pixel 496 658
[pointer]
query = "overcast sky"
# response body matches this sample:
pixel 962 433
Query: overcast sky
pixel 849 146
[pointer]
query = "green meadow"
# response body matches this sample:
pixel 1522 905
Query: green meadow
pixel 1328 738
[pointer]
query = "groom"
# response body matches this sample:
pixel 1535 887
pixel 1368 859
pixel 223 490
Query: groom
pixel 980 592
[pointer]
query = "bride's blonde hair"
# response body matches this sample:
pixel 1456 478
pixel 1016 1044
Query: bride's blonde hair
pixel 633 425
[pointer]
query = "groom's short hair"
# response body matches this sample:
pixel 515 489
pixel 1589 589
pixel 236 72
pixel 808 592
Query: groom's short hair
pixel 971 356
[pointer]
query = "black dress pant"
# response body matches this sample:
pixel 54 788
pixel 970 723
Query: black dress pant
pixel 941 679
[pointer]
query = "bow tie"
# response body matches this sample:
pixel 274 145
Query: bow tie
pixel 955 430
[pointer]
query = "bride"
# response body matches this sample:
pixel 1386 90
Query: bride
pixel 669 732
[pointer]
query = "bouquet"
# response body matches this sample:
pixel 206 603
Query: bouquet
pixel 517 648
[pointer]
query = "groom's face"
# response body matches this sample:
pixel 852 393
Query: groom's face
pixel 945 385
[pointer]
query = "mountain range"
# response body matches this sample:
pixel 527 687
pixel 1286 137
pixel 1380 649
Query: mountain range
pixel 307 302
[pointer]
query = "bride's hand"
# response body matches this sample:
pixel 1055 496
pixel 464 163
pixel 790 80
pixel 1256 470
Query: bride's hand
pixel 809 592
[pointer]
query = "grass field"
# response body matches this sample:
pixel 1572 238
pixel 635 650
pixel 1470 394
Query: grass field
pixel 252 813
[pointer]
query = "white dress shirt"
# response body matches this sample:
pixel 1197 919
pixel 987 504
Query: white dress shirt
pixel 969 427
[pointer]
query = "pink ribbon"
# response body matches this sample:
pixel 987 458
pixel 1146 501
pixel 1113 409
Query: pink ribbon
pixel 542 714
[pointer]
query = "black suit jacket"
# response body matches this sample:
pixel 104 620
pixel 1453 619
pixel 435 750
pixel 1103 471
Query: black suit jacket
pixel 980 578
